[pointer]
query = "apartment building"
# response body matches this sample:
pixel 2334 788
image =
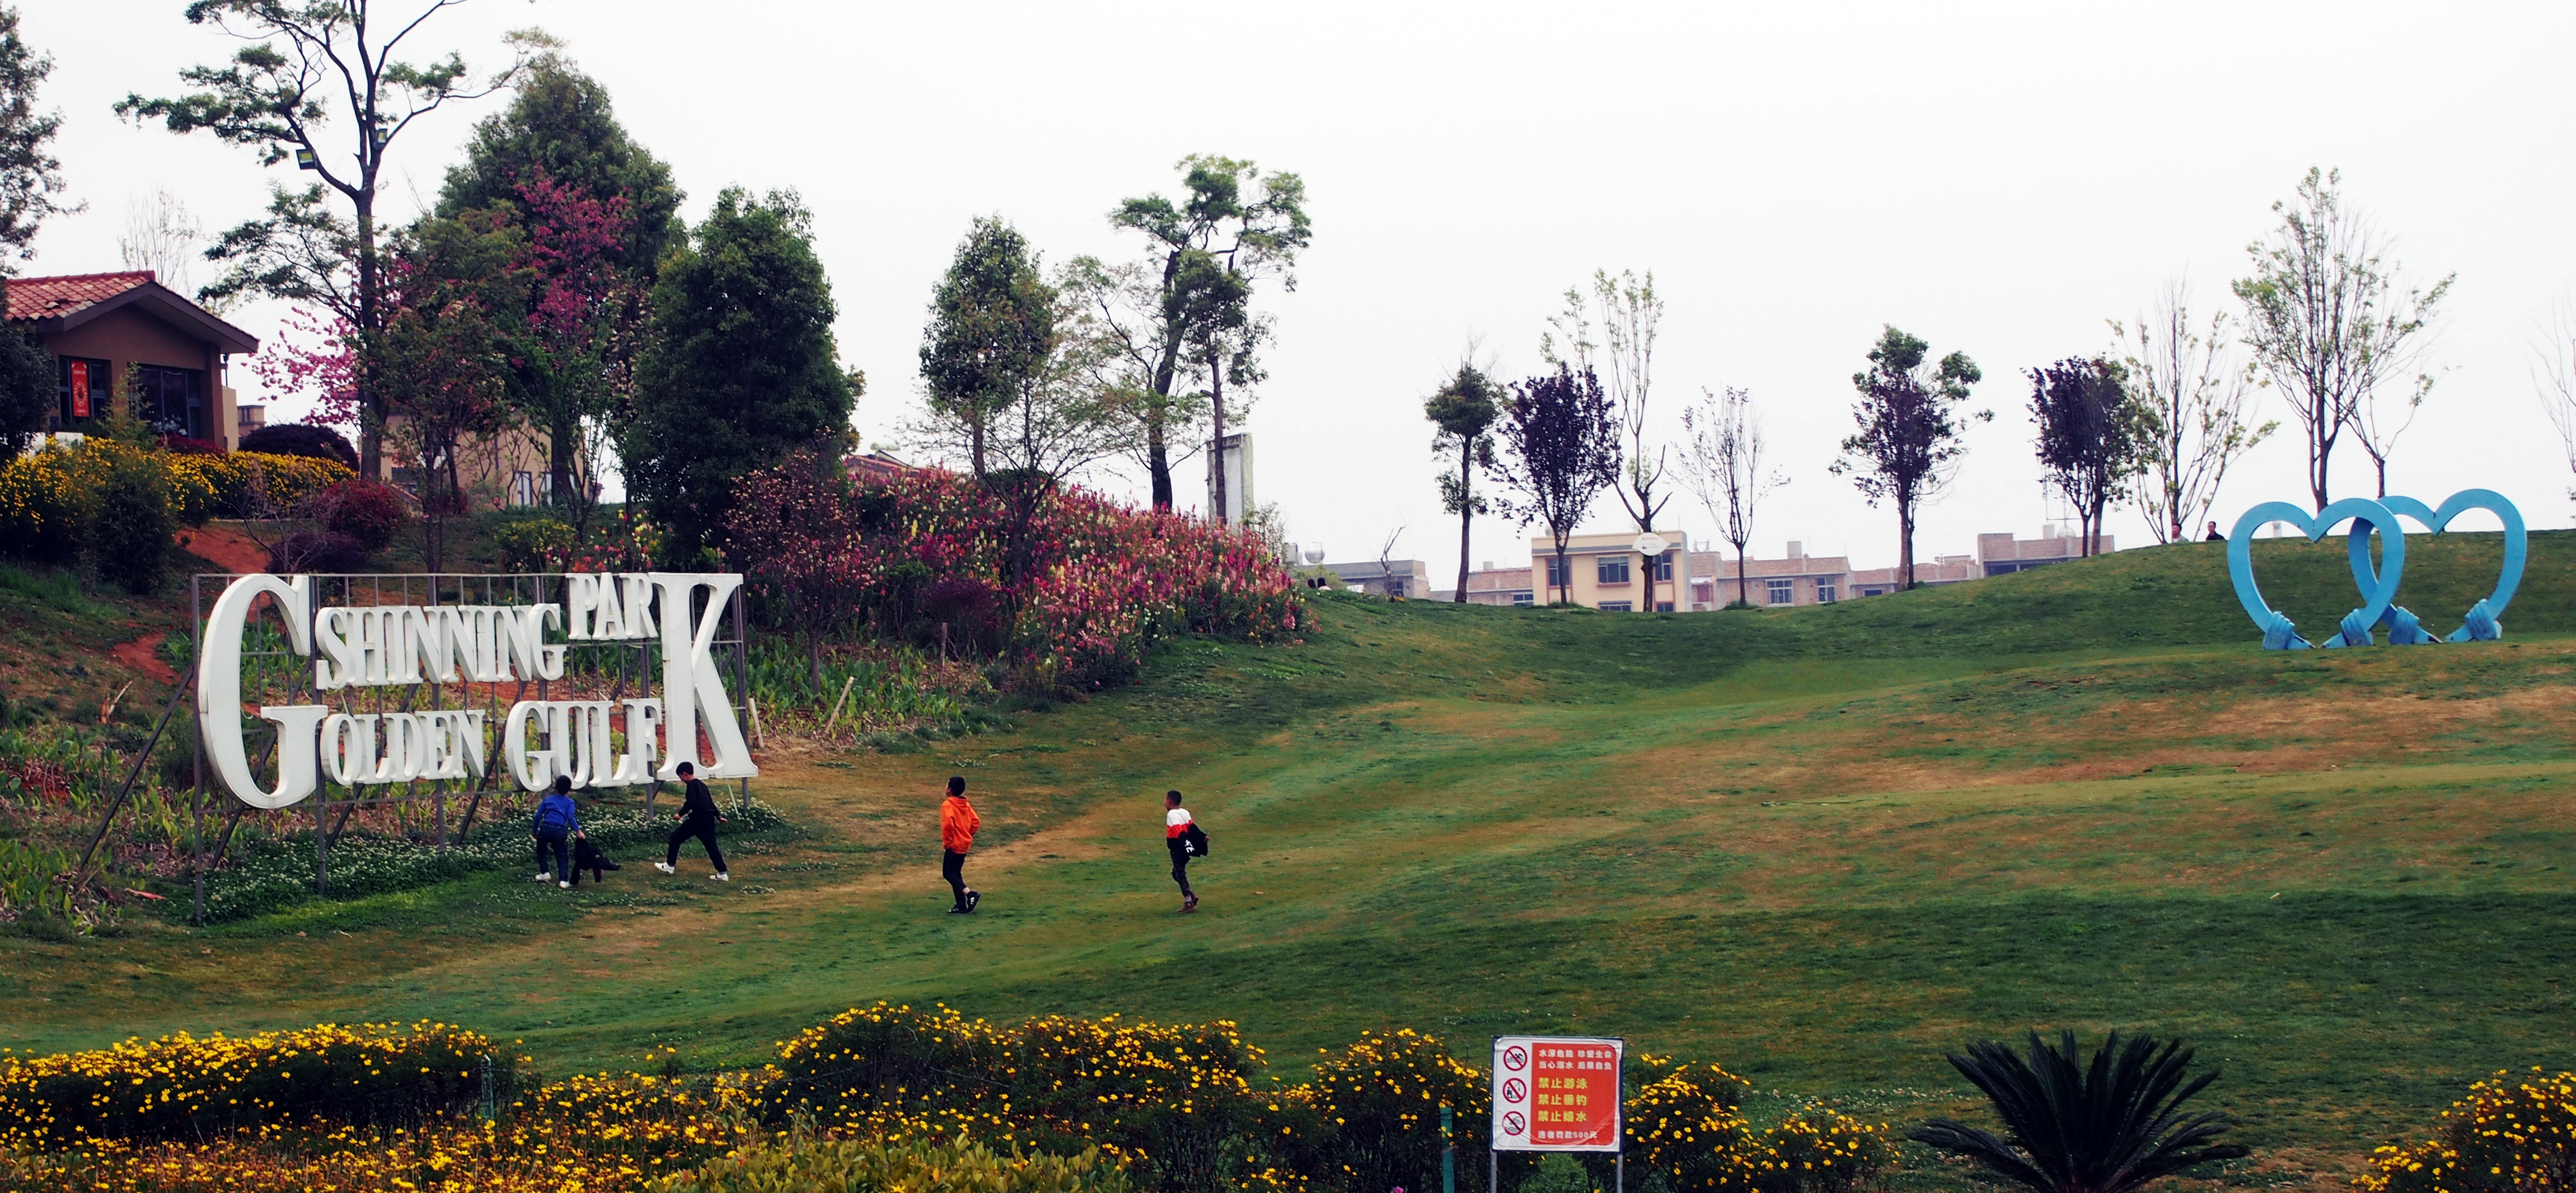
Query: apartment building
pixel 1604 571
pixel 1796 578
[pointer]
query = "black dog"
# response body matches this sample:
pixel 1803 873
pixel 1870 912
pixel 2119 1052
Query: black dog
pixel 586 856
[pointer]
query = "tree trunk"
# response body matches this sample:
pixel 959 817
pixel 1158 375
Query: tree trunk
pixel 1563 572
pixel 1466 513
pixel 975 441
pixel 1904 545
pixel 562 489
pixel 1158 464
pixel 371 415
pixel 1216 444
pixel 1741 592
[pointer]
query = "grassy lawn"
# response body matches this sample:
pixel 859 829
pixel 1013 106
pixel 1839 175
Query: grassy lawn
pixel 1818 847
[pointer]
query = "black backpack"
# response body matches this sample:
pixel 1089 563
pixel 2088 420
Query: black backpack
pixel 1197 837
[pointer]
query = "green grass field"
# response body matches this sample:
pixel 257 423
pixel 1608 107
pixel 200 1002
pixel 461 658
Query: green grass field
pixel 1818 847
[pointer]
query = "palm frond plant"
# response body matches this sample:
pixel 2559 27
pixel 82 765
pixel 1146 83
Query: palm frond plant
pixel 2070 1126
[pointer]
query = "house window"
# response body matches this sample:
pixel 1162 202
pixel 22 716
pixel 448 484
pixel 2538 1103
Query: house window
pixel 1560 573
pixel 1617 606
pixel 81 386
pixel 1783 592
pixel 1611 569
pixel 1663 606
pixel 1394 587
pixel 1664 567
pixel 171 401
pixel 1824 593
pixel 1523 598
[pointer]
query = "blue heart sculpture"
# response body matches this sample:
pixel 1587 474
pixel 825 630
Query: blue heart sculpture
pixel 2485 620
pixel 2378 590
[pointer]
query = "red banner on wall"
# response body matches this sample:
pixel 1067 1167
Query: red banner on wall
pixel 80 389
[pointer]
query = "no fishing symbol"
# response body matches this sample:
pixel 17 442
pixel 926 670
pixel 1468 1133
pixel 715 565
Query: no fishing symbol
pixel 2379 609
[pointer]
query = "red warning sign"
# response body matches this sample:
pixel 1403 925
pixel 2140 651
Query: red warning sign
pixel 1556 1094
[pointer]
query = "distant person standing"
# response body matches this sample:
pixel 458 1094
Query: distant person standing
pixel 698 818
pixel 2213 536
pixel 1181 835
pixel 957 825
pixel 555 826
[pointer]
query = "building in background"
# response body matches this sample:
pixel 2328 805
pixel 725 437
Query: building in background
pixel 1603 568
pixel 125 343
pixel 1237 453
pixel 1408 578
pixel 1604 571
pixel 1796 578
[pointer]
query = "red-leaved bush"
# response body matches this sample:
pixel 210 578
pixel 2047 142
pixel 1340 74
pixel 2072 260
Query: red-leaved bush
pixel 1069 588
pixel 371 512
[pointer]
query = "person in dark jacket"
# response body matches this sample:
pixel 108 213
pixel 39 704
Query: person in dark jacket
pixel 698 818
pixel 555 827
pixel 1177 837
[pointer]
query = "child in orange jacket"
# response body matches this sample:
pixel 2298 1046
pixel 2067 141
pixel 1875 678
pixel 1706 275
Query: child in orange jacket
pixel 957 825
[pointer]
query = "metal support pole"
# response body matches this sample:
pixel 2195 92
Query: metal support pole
pixel 1619 1172
pixel 197 758
pixel 1494 1172
pixel 1448 1154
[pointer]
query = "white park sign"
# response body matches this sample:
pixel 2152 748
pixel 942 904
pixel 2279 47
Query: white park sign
pixel 407 645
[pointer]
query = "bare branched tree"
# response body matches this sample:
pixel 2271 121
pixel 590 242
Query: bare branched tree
pixel 2329 326
pixel 160 236
pixel 1722 465
pixel 1629 312
pixel 2191 400
pixel 2553 373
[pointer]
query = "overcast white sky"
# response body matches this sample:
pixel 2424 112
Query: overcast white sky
pixel 1997 178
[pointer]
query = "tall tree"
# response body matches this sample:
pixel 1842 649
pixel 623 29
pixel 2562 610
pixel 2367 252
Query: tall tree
pixel 1629 312
pixel 30 175
pixel 1722 464
pixel 991 332
pixel 1463 410
pixel 600 211
pixel 2088 442
pixel 304 64
pixel 444 349
pixel 2190 400
pixel 1560 436
pixel 1908 447
pixel 27 386
pixel 2329 326
pixel 1183 312
pixel 741 369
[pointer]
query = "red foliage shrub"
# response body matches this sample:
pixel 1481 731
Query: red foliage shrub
pixel 181 445
pixel 1081 588
pixel 301 439
pixel 372 512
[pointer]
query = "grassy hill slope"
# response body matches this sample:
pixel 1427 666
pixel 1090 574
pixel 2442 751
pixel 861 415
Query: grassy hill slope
pixel 1819 846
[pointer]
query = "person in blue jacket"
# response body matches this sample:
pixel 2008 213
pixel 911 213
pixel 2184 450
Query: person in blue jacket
pixel 556 825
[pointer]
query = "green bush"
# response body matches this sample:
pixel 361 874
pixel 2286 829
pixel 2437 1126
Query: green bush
pixel 529 544
pixel 129 534
pixel 802 1165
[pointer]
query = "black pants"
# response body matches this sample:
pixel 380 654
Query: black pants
pixel 560 847
pixel 704 829
pixel 952 866
pixel 1181 873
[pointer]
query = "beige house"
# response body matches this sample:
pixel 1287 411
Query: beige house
pixel 124 343
pixel 1796 578
pixel 1604 571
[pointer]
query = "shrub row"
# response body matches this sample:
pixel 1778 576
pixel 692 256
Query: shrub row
pixel 182 1087
pixel 807 1165
pixel 2507 1136
pixel 278 873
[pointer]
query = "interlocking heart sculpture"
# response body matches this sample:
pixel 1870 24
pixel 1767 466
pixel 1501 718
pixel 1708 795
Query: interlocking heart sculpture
pixel 2378 584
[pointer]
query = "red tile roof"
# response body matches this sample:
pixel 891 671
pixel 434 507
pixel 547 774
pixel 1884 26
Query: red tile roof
pixel 55 297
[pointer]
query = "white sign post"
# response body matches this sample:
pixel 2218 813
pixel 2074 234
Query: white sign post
pixel 1557 1094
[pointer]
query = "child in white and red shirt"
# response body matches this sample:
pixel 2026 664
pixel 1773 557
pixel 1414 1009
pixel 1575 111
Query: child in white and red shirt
pixel 1176 837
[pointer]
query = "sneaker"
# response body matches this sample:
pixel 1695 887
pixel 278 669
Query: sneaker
pixel 545 876
pixel 1190 904
pixel 973 898
pixel 721 876
pixel 956 911
pixel 666 867
pixel 564 885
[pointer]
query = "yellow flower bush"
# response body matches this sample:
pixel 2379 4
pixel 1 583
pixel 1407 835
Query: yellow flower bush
pixel 884 1097
pixel 2507 1136
pixel 50 499
pixel 182 1086
pixel 247 484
